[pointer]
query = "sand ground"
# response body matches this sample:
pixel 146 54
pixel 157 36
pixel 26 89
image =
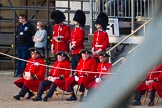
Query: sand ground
pixel 8 90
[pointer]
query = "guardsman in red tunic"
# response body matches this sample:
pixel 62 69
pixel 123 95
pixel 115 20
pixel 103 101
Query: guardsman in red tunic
pixel 61 33
pixel 148 84
pixel 77 37
pixel 33 74
pixel 56 77
pixel 103 69
pixel 156 85
pixel 100 39
pixel 83 74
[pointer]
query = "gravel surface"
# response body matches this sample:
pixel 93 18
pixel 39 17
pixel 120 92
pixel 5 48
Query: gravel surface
pixel 8 90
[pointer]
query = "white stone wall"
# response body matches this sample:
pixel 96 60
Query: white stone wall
pixel 75 6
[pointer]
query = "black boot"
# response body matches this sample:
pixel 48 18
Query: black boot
pixel 45 98
pixel 136 103
pixel 43 84
pixel 137 98
pixel 30 95
pixel 50 92
pixel 22 93
pixel 72 97
pixel 17 97
pixel 37 99
pixel 152 97
pixel 151 103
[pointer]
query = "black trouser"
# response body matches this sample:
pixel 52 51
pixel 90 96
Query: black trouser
pixel 82 88
pixel 137 96
pixel 23 91
pixel 44 84
pixel 75 60
pixel 71 88
pixel 152 95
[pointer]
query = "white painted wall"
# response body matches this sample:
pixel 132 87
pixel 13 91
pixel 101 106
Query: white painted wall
pixel 74 5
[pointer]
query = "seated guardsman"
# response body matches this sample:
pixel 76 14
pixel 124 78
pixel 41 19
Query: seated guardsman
pixel 103 70
pixel 33 74
pixel 83 74
pixel 56 77
pixel 152 83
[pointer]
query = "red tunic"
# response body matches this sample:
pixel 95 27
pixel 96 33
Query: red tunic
pixel 158 85
pixel 142 86
pixel 100 41
pixel 57 72
pixel 88 65
pixel 63 31
pixel 76 40
pixel 101 69
pixel 37 70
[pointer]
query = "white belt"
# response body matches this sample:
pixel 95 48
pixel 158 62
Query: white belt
pixel 98 45
pixel 73 42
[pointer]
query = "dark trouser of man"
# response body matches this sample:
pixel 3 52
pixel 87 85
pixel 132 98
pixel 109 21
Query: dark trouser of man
pixel 42 87
pixel 82 90
pixel 75 60
pixel 73 95
pixel 138 95
pixel 71 90
pixel 22 93
pixel 137 98
pixel 22 52
pixel 152 97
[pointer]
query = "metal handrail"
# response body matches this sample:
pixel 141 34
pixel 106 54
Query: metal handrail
pixel 116 62
pixel 124 39
pixel 123 58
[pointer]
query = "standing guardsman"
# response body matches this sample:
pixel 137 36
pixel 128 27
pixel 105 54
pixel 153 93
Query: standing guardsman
pixel 100 40
pixel 61 33
pixel 77 37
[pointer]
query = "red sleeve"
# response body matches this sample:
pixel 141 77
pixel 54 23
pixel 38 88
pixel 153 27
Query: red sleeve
pixel 105 41
pixel 67 72
pixel 27 65
pixel 41 71
pixel 109 67
pixel 93 68
pixel 53 34
pixel 94 40
pixel 80 38
pixel 67 33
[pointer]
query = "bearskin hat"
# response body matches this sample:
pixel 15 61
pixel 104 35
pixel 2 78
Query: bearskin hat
pixel 102 19
pixel 58 16
pixel 80 17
